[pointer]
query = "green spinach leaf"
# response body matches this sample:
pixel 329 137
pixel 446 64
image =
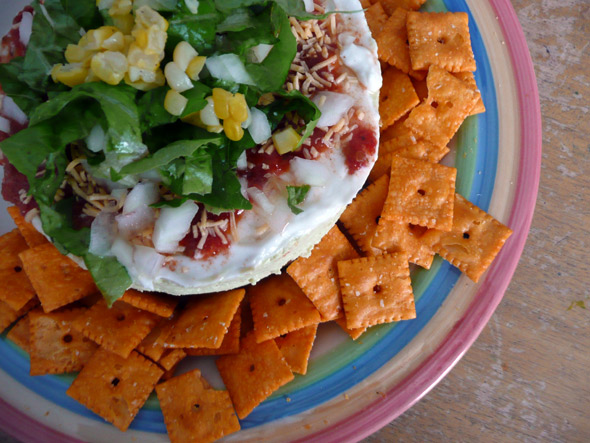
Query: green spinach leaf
pixel 295 196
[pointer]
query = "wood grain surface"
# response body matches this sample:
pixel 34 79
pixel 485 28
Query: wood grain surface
pixel 527 377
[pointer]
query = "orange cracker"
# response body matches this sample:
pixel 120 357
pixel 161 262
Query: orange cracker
pixel 442 39
pixel 20 334
pixel 114 387
pixel 396 236
pixel 376 18
pixel 171 358
pixel 8 315
pixel 230 343
pixel 392 41
pixel 361 217
pixel 155 303
pixel 193 412
pixel 57 280
pixel 376 290
pixel 420 193
pixel 28 231
pixel 403 142
pixel 56 347
pixel 391 5
pixel 474 241
pixel 469 79
pixel 153 345
pixel 296 347
pixel 254 373
pixel 118 329
pixel 205 320
pixel 353 333
pixel 317 275
pixel 279 306
pixel 16 289
pixel 449 101
pixel 397 96
pixel 381 167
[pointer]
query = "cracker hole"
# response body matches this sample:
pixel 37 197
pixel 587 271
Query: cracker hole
pixel 282 301
pixel 421 192
pixel 196 406
pixel 449 104
pixel 115 381
pixel 17 269
pixel 466 235
pixel 377 219
pixel 441 40
pixel 377 289
pixel 120 317
pixel 205 318
pixel 252 367
pixel 67 338
pixel 434 104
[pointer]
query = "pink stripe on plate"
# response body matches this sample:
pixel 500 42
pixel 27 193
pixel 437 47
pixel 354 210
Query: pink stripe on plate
pixel 466 331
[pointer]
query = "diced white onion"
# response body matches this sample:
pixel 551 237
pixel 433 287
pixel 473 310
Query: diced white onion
pixel 309 5
pixel 11 110
pixel 105 4
pixel 132 223
pixel 242 161
pixel 259 127
pixel 261 200
pixel 192 5
pixel 143 194
pixel 148 262
pixel 309 172
pixel 246 124
pixel 333 106
pixel 208 116
pixel 102 234
pixel 183 54
pixel 228 67
pixel 258 53
pixel 158 5
pixel 124 252
pixel 96 140
pixel 177 78
pixel 4 125
pixel 364 64
pixel 25 28
pixel 172 226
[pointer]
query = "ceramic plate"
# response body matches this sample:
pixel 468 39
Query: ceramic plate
pixel 354 388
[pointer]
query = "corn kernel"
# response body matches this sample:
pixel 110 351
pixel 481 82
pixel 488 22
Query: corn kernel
pixel 233 129
pixel 195 67
pixel 208 116
pixel 109 66
pixel 115 42
pixel 174 102
pixel 145 86
pixel 71 75
pixel 216 129
pixel 176 78
pixel 124 23
pixel 94 38
pixel 221 99
pixel 194 119
pixel 286 140
pixel 137 57
pixel 152 40
pixel 238 108
pixel 78 54
pixel 183 54
pixel 146 17
pixel 121 7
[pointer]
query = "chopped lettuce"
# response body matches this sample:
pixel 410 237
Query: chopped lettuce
pixel 295 196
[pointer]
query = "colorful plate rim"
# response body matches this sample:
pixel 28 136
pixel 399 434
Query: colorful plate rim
pixel 456 343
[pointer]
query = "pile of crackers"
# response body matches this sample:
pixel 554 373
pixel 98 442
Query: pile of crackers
pixel 358 275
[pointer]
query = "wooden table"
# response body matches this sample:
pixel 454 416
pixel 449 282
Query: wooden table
pixel 527 377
